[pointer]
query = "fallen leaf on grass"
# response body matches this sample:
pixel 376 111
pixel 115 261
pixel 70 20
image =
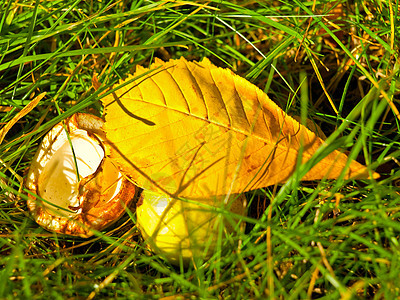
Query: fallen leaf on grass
pixel 194 130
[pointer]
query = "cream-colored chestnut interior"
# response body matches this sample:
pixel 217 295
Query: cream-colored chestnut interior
pixel 58 182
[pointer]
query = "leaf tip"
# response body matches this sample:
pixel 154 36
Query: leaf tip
pixel 359 171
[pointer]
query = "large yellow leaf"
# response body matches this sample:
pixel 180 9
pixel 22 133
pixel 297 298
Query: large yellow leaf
pixel 192 129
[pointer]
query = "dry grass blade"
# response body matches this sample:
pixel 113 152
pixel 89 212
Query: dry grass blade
pixel 23 112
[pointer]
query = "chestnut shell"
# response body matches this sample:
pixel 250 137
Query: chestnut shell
pixel 96 200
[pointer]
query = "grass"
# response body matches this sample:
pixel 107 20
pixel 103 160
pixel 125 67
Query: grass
pixel 336 64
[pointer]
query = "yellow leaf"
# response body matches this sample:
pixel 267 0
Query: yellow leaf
pixel 192 129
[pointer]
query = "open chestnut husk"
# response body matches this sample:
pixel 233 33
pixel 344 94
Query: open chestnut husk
pixel 75 188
